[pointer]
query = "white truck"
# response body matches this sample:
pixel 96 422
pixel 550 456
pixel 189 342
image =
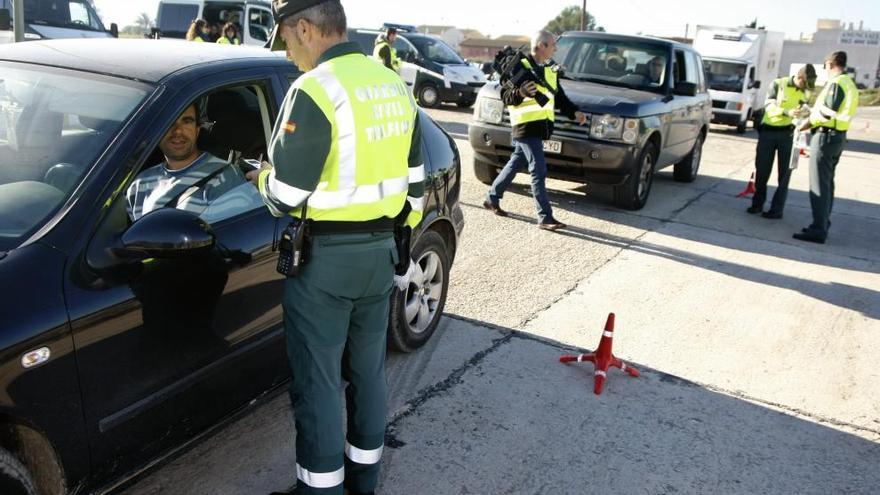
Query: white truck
pixel 740 64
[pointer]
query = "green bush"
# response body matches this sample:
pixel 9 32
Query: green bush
pixel 869 97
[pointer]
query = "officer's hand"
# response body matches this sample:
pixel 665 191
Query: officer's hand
pixel 805 126
pixel 252 176
pixel 529 88
pixel 581 118
pixel 794 112
pixel 402 281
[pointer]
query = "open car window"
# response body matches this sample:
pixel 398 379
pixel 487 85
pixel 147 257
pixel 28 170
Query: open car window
pixel 54 125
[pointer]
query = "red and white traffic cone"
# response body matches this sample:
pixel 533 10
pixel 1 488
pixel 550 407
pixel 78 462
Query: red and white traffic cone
pixel 603 358
pixel 750 188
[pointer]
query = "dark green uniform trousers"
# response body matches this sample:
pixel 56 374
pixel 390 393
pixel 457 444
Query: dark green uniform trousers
pixel 335 319
pixel 825 151
pixel 772 141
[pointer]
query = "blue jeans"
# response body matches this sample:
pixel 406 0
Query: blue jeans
pixel 528 153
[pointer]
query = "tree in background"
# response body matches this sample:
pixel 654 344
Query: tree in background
pixel 570 20
pixel 141 26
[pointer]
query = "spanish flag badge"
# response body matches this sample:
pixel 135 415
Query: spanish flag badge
pixel 289 127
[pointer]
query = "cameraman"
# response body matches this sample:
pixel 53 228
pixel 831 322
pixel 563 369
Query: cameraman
pixel 532 124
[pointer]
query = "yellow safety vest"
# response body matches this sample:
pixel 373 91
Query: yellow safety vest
pixel 840 120
pixel 787 97
pixel 529 110
pixel 372 115
pixel 395 62
pixel 223 40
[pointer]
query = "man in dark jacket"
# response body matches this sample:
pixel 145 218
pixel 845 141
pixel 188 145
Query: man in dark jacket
pixel 532 124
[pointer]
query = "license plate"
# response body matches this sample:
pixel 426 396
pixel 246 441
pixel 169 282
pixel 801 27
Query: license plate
pixel 553 146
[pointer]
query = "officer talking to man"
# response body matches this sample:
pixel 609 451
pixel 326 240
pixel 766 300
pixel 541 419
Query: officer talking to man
pixel 831 116
pixel 384 51
pixel 784 103
pixel 532 124
pixel 346 149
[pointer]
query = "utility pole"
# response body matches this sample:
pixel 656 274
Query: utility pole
pixel 584 16
pixel 18 19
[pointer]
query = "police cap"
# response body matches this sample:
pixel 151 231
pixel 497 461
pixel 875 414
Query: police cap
pixel 282 9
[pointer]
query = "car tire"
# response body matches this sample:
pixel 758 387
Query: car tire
pixel 14 477
pixel 687 169
pixel 428 95
pixel 633 194
pixel 416 312
pixel 741 127
pixel 466 102
pixel 485 173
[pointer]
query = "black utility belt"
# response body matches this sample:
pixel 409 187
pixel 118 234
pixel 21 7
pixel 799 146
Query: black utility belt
pixel 828 130
pixel 383 224
pixel 777 128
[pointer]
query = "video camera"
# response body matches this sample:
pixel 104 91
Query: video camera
pixel 508 64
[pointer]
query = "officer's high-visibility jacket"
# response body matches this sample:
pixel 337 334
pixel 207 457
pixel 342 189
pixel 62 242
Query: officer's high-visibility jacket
pixel 529 110
pixel 836 104
pixel 223 40
pixel 391 61
pixel 348 141
pixel 783 97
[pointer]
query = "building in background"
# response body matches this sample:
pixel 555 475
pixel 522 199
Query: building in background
pixel 861 45
pixel 484 49
pixel 452 35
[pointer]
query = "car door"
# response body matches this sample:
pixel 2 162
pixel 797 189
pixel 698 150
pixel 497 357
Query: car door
pixel 166 347
pixel 680 141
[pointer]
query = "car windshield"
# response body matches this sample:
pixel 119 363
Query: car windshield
pixel 76 14
pixel 435 50
pixel 54 124
pixel 725 76
pixel 624 63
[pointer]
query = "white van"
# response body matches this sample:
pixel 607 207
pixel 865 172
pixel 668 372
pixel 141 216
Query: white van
pixel 55 19
pixel 254 17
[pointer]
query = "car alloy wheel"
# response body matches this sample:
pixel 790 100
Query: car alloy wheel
pixel 424 292
pixel 645 175
pixel 429 97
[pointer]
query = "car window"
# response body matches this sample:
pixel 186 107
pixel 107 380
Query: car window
pixel 701 77
pixel 77 14
pixel 691 74
pixel 54 124
pixel 260 23
pixel 174 19
pixel 434 50
pixel 615 62
pixel 436 141
pixel 232 139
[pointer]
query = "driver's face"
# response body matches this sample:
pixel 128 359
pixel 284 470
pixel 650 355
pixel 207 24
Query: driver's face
pixel 179 143
pixel 657 66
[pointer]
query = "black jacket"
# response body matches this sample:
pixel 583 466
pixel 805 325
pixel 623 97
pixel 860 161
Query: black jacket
pixel 542 128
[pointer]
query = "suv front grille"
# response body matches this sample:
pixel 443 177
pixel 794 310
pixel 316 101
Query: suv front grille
pixel 563 127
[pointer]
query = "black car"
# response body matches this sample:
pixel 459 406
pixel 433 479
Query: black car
pixel 122 341
pixel 639 120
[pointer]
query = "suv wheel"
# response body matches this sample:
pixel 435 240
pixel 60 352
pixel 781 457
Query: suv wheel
pixel 415 313
pixel 14 478
pixel 485 173
pixel 686 170
pixel 428 95
pixel 633 194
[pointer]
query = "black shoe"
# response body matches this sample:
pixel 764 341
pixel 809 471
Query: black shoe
pixel 807 229
pixel 803 236
pixel 772 215
pixel 551 225
pixel 494 208
pixel 754 209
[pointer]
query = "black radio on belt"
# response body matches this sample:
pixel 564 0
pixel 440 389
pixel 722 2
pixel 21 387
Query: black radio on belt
pixel 293 247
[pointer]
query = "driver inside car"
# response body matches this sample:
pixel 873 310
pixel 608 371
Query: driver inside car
pixel 188 179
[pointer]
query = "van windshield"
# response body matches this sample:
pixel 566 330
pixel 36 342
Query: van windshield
pixel 625 63
pixel 725 76
pixel 435 50
pixel 75 14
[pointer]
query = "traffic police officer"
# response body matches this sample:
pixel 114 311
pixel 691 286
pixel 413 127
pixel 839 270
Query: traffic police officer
pixel 347 146
pixel 384 51
pixel 829 121
pixel 784 103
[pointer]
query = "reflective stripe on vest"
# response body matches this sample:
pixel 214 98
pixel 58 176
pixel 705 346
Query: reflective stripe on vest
pixel 371 112
pixel 395 62
pixel 529 110
pixel 787 97
pixel 840 120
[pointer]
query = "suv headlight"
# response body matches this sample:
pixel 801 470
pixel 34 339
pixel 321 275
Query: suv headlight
pixel 612 127
pixel 490 110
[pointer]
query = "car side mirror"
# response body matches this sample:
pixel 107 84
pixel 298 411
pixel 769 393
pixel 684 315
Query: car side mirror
pixel 114 30
pixel 683 88
pixel 755 85
pixel 166 233
pixel 5 20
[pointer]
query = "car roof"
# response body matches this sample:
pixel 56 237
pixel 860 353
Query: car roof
pixel 139 59
pixel 626 37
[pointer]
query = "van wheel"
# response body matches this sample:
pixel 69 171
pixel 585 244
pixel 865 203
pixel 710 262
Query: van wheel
pixel 485 173
pixel 466 101
pixel 14 477
pixel 415 312
pixel 741 127
pixel 633 194
pixel 686 170
pixel 428 95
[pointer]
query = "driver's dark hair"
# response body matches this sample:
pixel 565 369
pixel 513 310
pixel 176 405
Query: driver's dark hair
pixel 328 17
pixel 838 59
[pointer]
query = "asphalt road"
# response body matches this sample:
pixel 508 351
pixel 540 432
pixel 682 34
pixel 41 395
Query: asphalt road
pixel 758 352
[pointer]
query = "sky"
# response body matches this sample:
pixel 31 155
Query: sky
pixel 497 17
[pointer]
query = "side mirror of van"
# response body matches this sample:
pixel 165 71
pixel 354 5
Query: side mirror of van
pixel 683 88
pixel 5 20
pixel 114 30
pixel 411 57
pixel 755 85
